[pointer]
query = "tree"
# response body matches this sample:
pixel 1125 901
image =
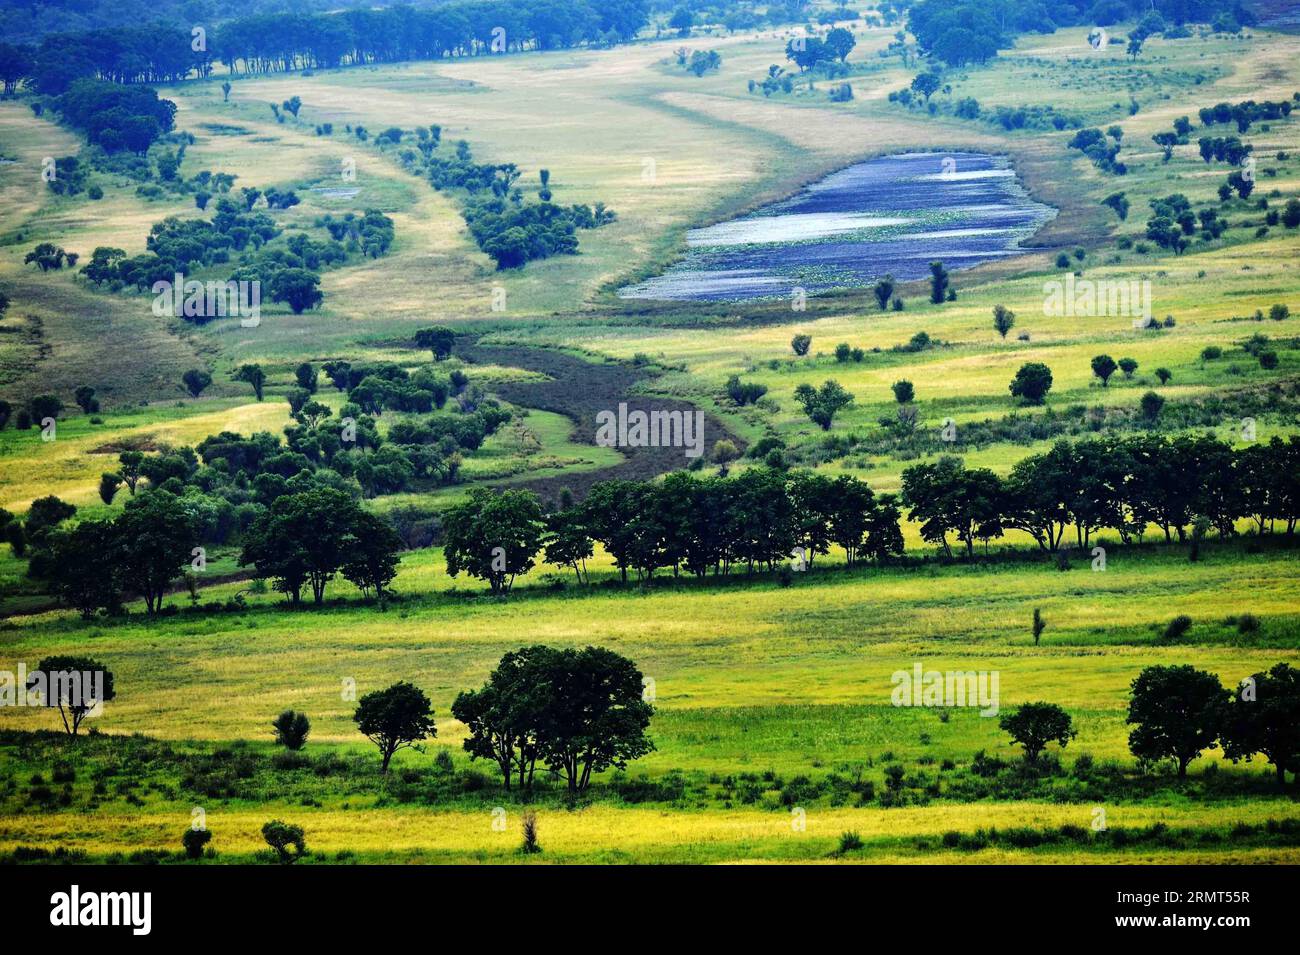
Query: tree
pixel 1291 213
pixel 76 685
pixel 305 375
pixel 1128 366
pixel 439 339
pixel 193 840
pixel 1151 405
pixel 1164 374
pixel 1034 725
pixel 195 381
pixel 396 718
pixel 298 288
pixel 281 836
pixel 46 256
pixel 504 718
pixel 947 497
pixel 1103 366
pixel 1264 717
pixel 884 291
pixel 1179 711
pixel 291 729
pixel 494 536
pixel 903 391
pixel 253 375
pixel 304 539
pixel 370 560
pixel 81 566
pixel 840 42
pixel 594 717
pixel 821 405
pixel 938 283
pixel 1003 319
pixel 1117 201
pixel 155 533
pixel 225 91
pixel 44 406
pixel 86 400
pixel 46 513
pixel 800 344
pixel 927 84
pixel 568 540
pixel 108 486
pixel 1032 382
pixel 130 463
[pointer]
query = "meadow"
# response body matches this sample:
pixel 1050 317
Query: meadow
pixel 774 728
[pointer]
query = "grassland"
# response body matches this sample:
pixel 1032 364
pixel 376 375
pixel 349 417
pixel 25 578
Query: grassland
pixel 755 683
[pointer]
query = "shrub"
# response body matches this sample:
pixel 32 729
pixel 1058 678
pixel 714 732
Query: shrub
pixel 1177 628
pixel 194 840
pixel 850 841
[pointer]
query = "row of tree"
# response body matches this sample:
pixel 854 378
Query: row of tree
pixel 301 542
pixel 1185 486
pixel 686 523
pixel 287 41
pixel 1178 712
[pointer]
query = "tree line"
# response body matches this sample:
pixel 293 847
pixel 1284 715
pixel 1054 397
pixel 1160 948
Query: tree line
pixel 1186 487
pixel 290 41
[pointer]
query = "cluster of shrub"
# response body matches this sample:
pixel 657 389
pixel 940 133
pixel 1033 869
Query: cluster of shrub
pixel 1185 486
pixel 1101 148
pixel 288 271
pixel 1247 112
pixel 505 226
pixel 294 40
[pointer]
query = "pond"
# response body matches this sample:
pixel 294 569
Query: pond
pixel 892 215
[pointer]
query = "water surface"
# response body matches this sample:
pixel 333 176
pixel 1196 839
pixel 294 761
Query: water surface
pixel 892 215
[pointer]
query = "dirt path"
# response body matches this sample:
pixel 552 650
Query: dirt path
pixel 580 390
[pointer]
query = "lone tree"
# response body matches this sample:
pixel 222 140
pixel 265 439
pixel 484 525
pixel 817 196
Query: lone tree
pixel 884 291
pixel 938 283
pixel 1034 725
pixel 800 344
pixel 494 536
pixel 291 729
pixel 1003 319
pixel 254 375
pixel 76 685
pixel 195 381
pixel 903 391
pixel 396 718
pixel 1178 711
pixel 1128 366
pixel 1032 382
pixel 439 339
pixel 1265 718
pixel 821 405
pixel 281 836
pixel 1103 366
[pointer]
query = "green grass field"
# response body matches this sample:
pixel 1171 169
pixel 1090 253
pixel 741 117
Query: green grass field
pixel 769 698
